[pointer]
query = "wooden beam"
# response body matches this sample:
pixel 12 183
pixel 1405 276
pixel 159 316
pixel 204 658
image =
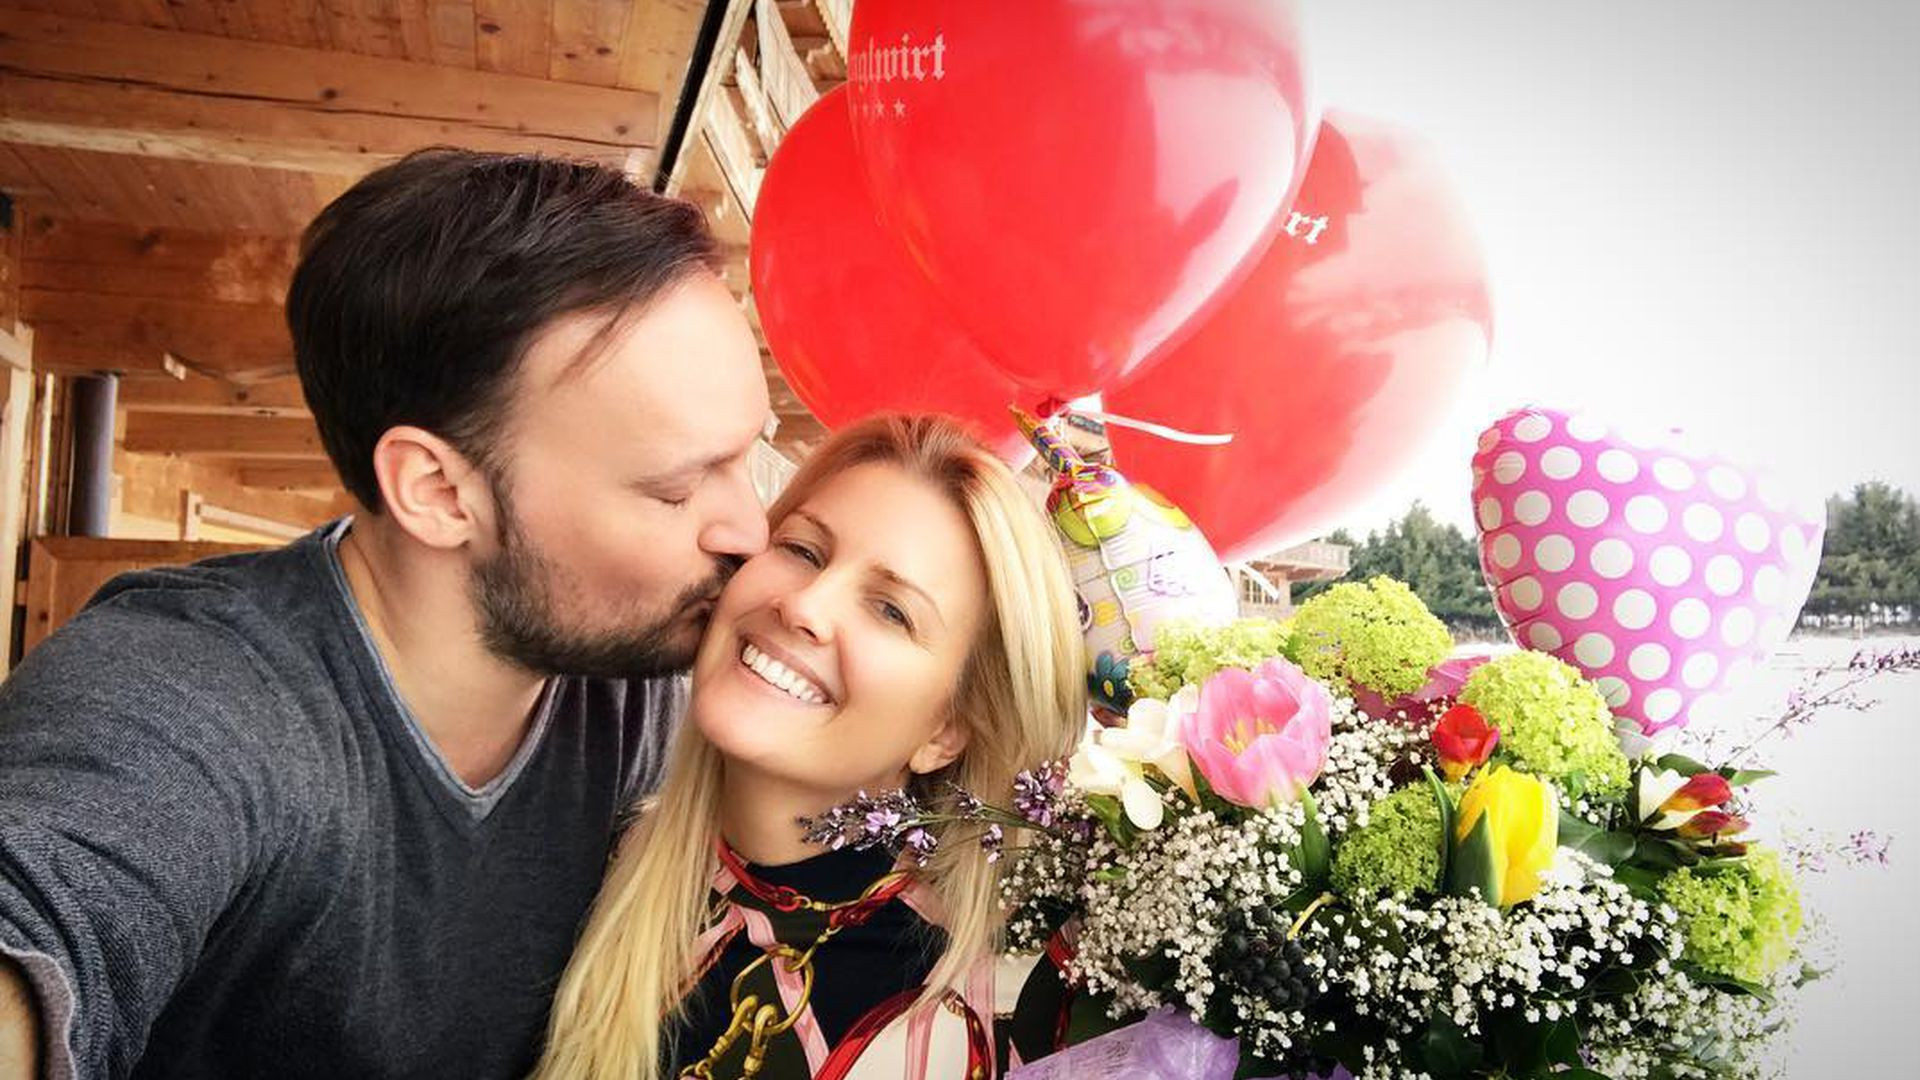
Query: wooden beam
pixel 838 17
pixel 77 328
pixel 288 475
pixel 789 88
pixel 16 347
pixel 222 436
pixel 726 135
pixel 10 258
pixel 753 101
pixel 94 85
pixel 16 423
pixel 707 84
pixel 200 394
pixel 182 264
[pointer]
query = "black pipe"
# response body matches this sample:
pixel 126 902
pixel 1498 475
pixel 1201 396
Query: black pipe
pixel 90 506
pixel 704 44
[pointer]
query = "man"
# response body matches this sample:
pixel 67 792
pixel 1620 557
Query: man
pixel 338 809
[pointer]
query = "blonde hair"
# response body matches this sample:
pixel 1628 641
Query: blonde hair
pixel 1022 696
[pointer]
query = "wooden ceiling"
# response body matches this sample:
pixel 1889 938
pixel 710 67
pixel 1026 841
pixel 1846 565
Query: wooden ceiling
pixel 162 157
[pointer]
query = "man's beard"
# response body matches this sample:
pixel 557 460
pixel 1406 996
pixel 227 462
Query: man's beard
pixel 513 594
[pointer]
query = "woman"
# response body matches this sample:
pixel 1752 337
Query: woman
pixel 910 625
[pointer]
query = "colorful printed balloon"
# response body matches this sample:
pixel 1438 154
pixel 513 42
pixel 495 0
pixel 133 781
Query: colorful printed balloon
pixel 1137 561
pixel 1663 573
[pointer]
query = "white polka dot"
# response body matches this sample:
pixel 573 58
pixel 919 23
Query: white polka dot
pixel 1506 551
pixel 1736 627
pixel 1724 575
pixel 1752 532
pixel 1611 559
pixel 1673 474
pixel 1508 467
pixel 1646 513
pixel 1690 617
pixel 1587 508
pixel 1792 544
pixel 1768 582
pixel 1703 523
pixel 1532 507
pixel 1585 428
pixel 1578 600
pixel 1618 466
pixel 1544 637
pixel 1699 670
pixel 1525 593
pixel 1553 553
pixel 1670 565
pixel 1489 514
pixel 1649 661
pixel 1634 609
pixel 1532 428
pixel 1662 705
pixel 1489 439
pixel 1613 689
pixel 1727 482
pixel 1560 462
pixel 1593 651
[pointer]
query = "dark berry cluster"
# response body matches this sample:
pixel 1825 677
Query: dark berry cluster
pixel 1258 959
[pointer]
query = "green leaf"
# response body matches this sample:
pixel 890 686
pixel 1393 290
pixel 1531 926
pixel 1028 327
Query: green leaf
pixel 1606 846
pixel 1641 881
pixel 1444 801
pixel 1474 867
pixel 1661 855
pixel 1447 1051
pixel 1682 764
pixel 1316 851
pixel 1108 810
pixel 1743 777
pixel 1581 1073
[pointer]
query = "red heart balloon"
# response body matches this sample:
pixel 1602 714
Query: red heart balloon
pixel 1078 180
pixel 1332 361
pixel 852 324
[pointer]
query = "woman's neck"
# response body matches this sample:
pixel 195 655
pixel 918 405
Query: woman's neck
pixel 759 815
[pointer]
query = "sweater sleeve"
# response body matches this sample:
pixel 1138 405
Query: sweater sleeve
pixel 136 799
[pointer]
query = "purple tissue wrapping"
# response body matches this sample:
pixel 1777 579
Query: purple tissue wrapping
pixel 1167 1045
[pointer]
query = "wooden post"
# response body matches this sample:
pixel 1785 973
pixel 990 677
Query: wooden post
pixel 16 421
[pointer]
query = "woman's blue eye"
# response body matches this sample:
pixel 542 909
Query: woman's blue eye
pixel 801 551
pixel 893 614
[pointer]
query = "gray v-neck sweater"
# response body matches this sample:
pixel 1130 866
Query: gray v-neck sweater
pixel 227 850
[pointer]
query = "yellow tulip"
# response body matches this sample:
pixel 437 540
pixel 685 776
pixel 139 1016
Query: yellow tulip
pixel 1523 829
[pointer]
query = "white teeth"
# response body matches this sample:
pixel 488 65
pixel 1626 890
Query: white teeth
pixel 780 675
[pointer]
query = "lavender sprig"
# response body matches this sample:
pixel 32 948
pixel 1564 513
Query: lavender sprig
pixel 898 820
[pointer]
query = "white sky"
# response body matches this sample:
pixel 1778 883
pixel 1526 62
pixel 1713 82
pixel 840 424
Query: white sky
pixel 1698 212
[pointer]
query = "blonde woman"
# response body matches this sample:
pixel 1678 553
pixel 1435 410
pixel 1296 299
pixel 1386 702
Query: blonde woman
pixel 911 623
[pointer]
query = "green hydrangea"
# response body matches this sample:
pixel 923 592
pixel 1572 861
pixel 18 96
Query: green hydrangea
pixel 1396 851
pixel 1184 652
pixel 1552 722
pixel 1376 636
pixel 1739 920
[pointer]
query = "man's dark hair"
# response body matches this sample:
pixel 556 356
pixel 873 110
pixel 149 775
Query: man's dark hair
pixel 420 288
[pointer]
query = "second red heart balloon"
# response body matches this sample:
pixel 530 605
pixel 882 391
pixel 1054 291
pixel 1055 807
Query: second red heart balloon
pixel 1332 361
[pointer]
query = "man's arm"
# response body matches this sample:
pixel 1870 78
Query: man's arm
pixel 19 1025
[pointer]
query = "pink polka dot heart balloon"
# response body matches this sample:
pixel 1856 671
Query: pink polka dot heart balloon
pixel 1662 573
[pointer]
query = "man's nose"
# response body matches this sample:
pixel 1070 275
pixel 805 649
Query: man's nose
pixel 740 528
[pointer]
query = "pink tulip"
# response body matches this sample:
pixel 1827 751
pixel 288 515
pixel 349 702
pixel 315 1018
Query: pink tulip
pixel 1260 737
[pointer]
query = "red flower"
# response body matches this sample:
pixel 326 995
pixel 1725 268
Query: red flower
pixel 1702 791
pixel 1712 823
pixel 1464 739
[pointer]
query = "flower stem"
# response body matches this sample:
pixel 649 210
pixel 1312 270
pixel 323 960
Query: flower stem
pixel 1300 923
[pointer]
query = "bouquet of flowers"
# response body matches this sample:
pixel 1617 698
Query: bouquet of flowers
pixel 1328 840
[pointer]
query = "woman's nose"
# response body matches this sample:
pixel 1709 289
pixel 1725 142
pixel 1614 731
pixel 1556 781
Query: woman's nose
pixel 806 610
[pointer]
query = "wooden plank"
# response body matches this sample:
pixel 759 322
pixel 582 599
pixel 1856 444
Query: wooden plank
pixel 587 36
pixel 289 22
pixel 154 13
pixel 753 100
pixel 204 332
pixel 151 487
pixel 222 436
pixel 63 572
pixel 512 36
pixel 789 88
pixel 733 20
pixel 200 394
pixel 88 84
pixel 11 269
pixel 726 136
pixel 16 424
pixel 288 475
pixel 837 18
pixel 16 348
pixel 185 264
pixel 450 24
pixel 657 51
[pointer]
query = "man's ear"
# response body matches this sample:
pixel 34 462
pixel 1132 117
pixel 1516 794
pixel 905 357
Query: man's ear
pixel 942 749
pixel 430 489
